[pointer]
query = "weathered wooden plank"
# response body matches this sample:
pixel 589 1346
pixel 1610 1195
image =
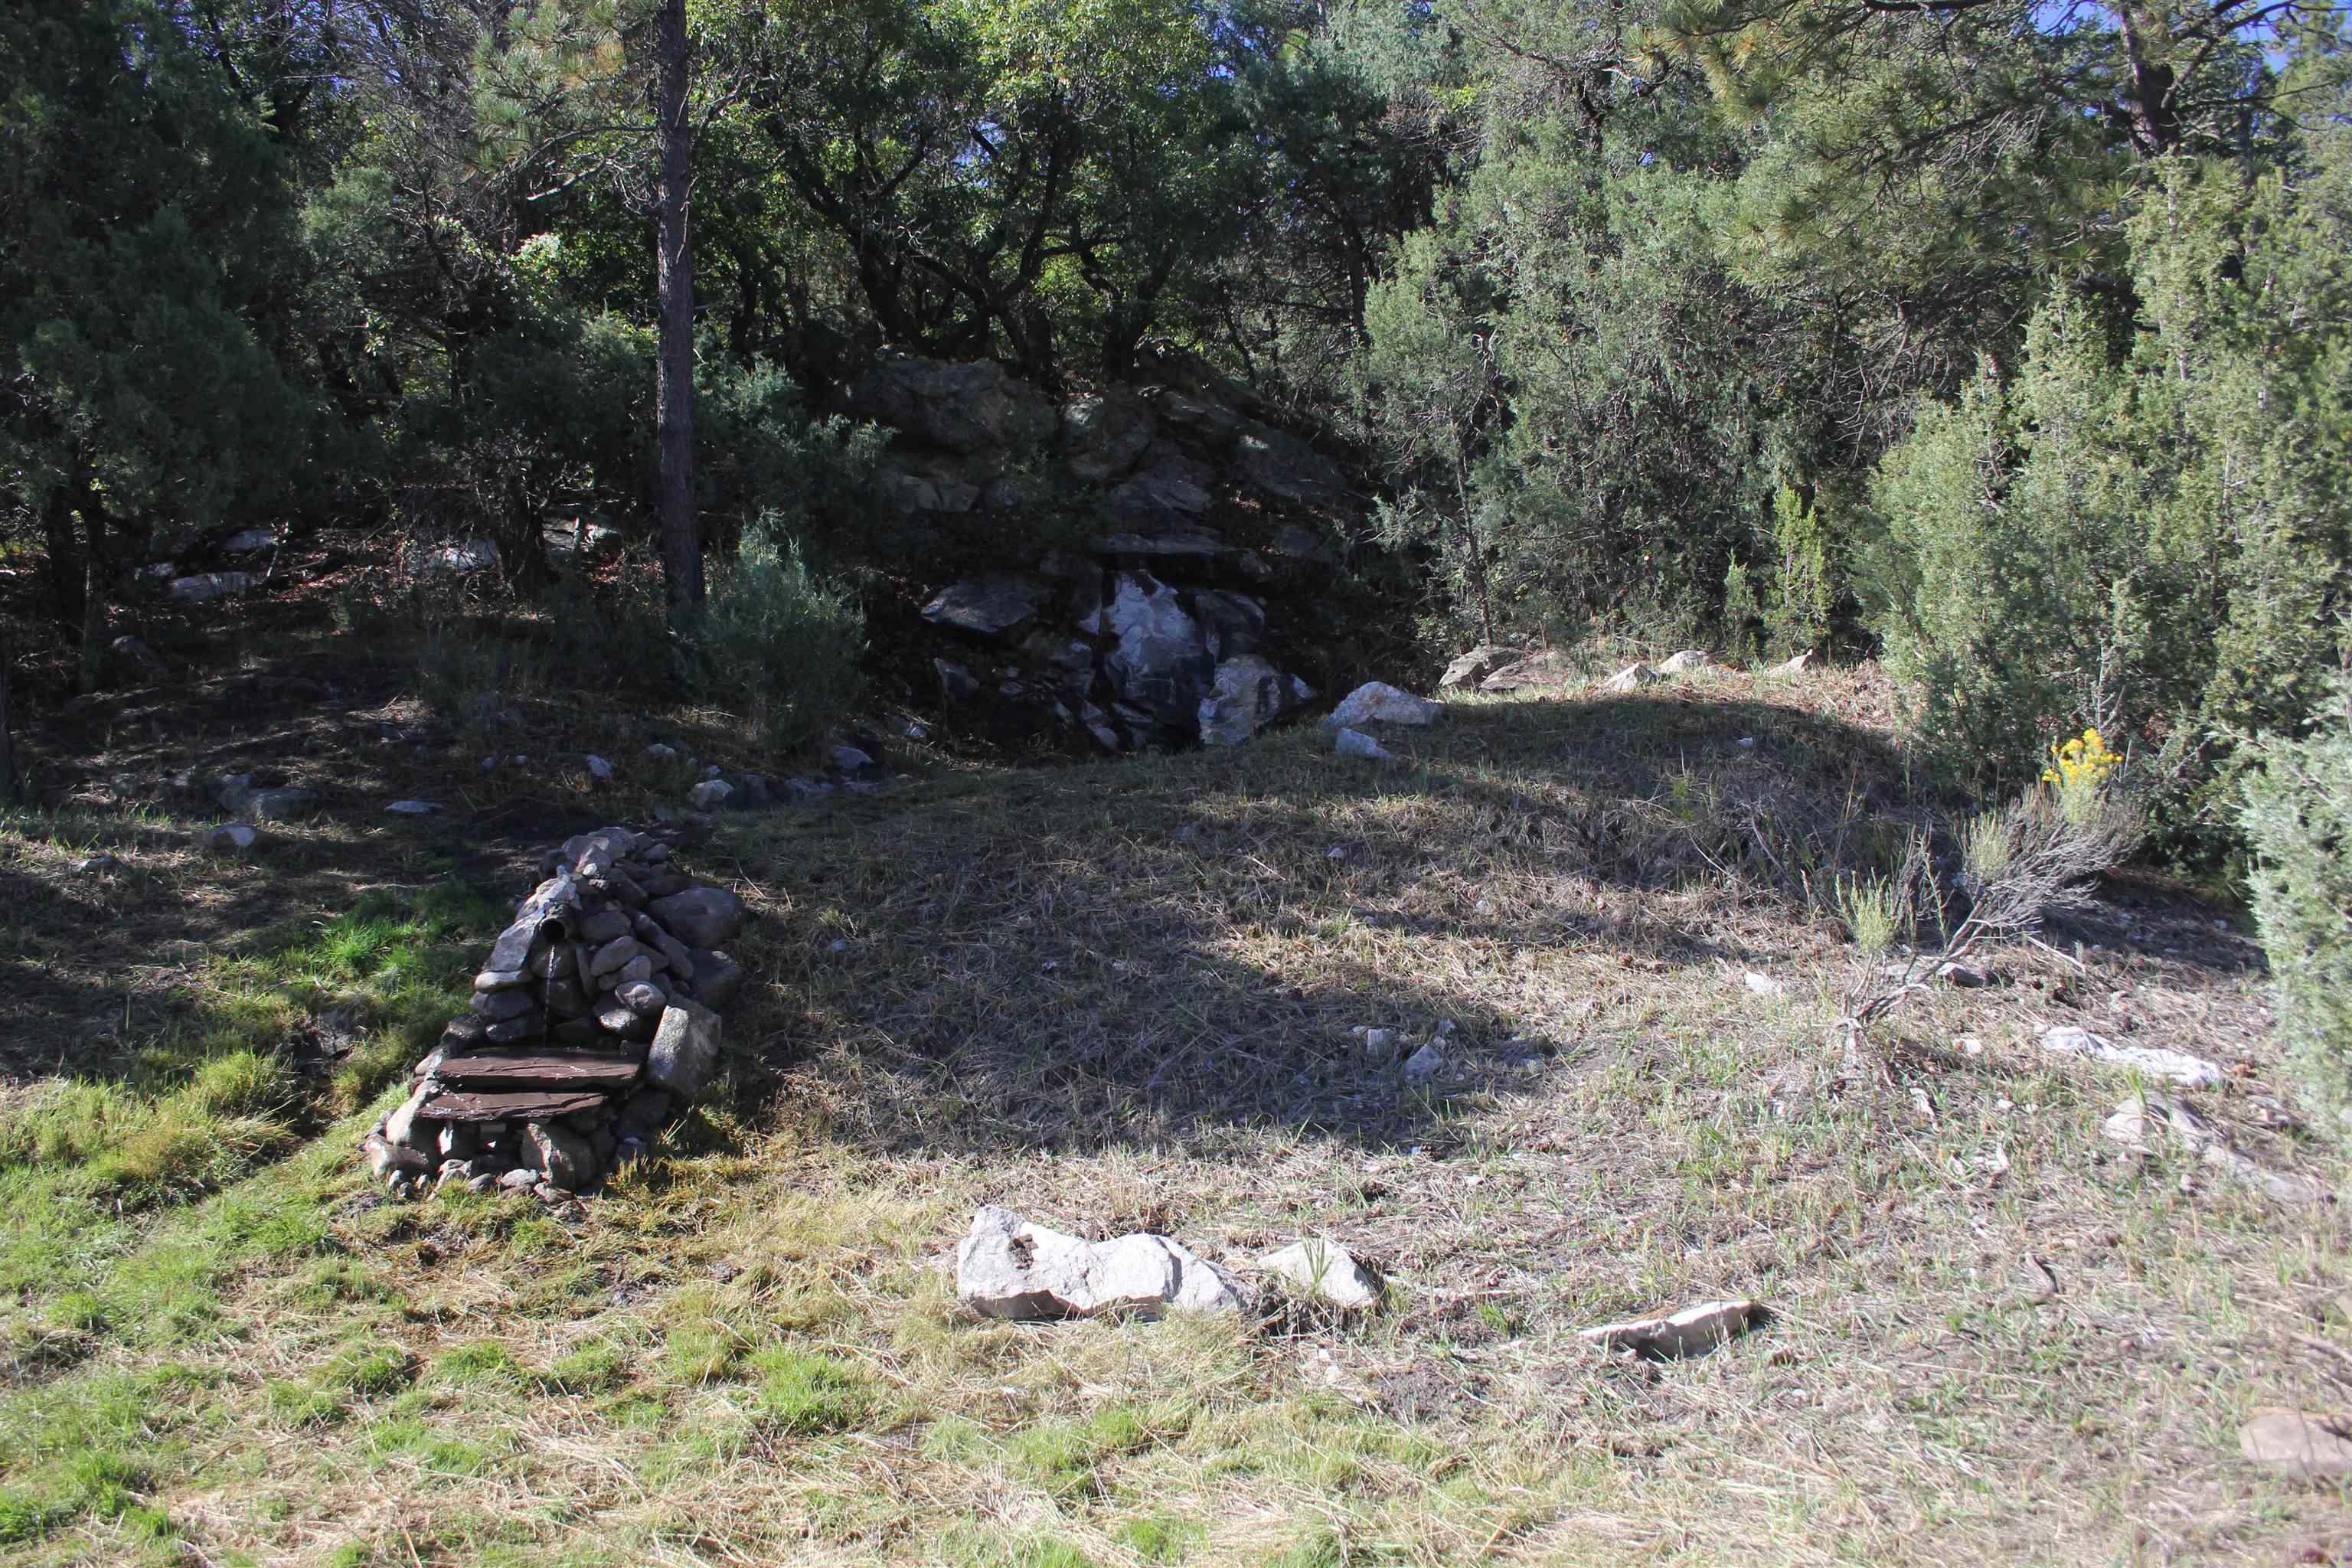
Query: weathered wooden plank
pixel 548 1069
pixel 517 1105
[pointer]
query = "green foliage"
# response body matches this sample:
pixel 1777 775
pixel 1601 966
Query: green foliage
pixel 2298 819
pixel 1803 594
pixel 781 643
pixel 2152 523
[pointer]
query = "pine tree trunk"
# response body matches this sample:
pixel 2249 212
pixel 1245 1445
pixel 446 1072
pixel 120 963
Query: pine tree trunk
pixel 94 600
pixel 674 502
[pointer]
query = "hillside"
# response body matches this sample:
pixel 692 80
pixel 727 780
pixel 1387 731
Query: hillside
pixel 1124 996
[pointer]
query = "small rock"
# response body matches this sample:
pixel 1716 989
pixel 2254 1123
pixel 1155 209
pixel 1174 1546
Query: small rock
pixel 2299 1440
pixel 662 754
pixel 1793 666
pixel 1356 743
pixel 1693 1331
pixel 97 866
pixel 412 808
pixel 1630 678
pixel 1423 1064
pixel 848 759
pixel 1474 667
pixel 598 768
pixel 1763 984
pixel 614 954
pixel 709 794
pixel 482 1183
pixel 231 838
pixel 1327 1271
pixel 1377 702
pixel 1382 1044
pixel 642 997
pixel 278 804
pixel 1684 662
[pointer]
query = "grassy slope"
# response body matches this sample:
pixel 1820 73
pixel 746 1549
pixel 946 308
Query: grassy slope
pixel 1120 997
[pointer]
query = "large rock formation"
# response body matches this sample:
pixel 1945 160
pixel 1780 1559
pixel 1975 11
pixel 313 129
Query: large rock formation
pixel 1168 624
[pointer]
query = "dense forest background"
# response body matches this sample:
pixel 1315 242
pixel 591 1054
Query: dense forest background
pixel 2010 340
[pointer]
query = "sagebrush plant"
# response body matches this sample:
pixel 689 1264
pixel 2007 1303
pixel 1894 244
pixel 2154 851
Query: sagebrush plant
pixel 2017 862
pixel 2298 819
pixel 781 642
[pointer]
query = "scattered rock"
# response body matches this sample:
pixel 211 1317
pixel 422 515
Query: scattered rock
pixel 1382 1045
pixel 1328 1272
pixel 2178 1066
pixel 280 805
pixel 1424 1064
pixel 1686 661
pixel 247 542
pixel 598 768
pixel 97 866
pixel 848 759
pixel 2139 1120
pixel 2298 1440
pixel 1633 677
pixel 1476 665
pixel 1763 984
pixel 709 794
pixel 1693 1331
pixel 1008 1267
pixel 412 807
pixel 463 555
pixel 1793 666
pixel 1356 743
pixel 231 838
pixel 1376 703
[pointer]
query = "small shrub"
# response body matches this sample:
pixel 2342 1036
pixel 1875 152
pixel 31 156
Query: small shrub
pixel 2298 817
pixel 782 642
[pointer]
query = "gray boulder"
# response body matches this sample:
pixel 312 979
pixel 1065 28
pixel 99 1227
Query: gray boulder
pixel 684 1056
pixel 1008 1267
pixel 1247 695
pixel 700 916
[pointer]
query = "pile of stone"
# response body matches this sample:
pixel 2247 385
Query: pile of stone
pixel 593 1022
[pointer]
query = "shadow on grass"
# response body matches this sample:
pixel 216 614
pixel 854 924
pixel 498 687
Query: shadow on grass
pixel 1138 953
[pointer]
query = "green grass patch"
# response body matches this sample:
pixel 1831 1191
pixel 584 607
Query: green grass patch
pixel 804 1393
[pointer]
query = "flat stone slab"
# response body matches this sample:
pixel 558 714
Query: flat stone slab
pixel 548 1069
pixel 515 1105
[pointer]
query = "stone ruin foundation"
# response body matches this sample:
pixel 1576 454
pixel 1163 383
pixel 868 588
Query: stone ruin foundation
pixel 594 1020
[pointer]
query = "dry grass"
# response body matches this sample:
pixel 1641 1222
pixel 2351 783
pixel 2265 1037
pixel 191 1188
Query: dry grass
pixel 1121 996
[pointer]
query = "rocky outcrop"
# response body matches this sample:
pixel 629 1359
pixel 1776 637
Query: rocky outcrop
pixel 1201 542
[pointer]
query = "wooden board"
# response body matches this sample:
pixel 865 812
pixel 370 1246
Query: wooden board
pixel 542 1070
pixel 521 1105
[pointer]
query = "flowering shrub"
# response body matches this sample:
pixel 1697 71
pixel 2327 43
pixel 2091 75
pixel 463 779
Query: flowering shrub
pixel 2080 770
